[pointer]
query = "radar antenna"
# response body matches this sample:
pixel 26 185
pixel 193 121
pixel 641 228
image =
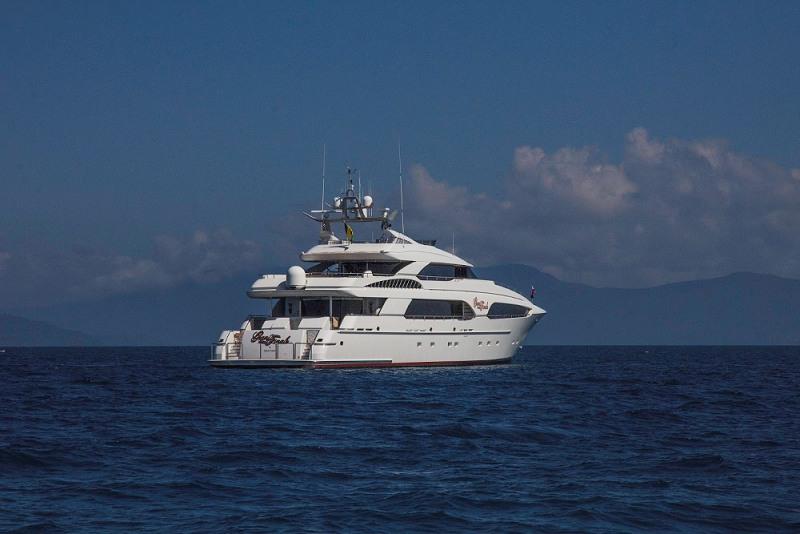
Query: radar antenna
pixel 400 160
pixel 324 150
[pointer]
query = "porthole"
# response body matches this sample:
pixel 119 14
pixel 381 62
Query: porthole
pixel 341 343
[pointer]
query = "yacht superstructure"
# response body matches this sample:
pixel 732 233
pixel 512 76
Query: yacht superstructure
pixel 392 301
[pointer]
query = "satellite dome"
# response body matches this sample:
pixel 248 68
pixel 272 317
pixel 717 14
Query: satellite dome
pixel 296 277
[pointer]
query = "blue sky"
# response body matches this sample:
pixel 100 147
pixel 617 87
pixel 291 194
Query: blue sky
pixel 127 122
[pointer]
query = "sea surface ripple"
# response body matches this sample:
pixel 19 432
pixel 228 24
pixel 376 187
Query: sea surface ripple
pixel 603 439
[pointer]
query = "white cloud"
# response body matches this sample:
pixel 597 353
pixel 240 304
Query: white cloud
pixel 207 257
pixel 577 176
pixel 670 210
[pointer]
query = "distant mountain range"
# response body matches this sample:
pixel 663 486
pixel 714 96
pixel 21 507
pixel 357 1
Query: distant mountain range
pixel 20 332
pixel 738 309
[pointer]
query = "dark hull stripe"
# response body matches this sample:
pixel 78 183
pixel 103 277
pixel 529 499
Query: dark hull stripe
pixel 337 365
pixel 249 364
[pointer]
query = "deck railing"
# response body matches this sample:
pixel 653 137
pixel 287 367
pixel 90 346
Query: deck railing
pixel 278 351
pixel 334 274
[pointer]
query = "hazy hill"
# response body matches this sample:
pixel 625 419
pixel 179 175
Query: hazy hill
pixel 20 332
pixel 742 308
pixel 190 314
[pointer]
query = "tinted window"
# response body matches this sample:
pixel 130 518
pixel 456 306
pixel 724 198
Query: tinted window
pixel 351 267
pixel 278 310
pixel 387 267
pixel 438 271
pixel 315 307
pixel 434 309
pixel 500 309
pixel 441 271
pixel 319 267
pixel 462 271
pixel 322 307
pixel 347 307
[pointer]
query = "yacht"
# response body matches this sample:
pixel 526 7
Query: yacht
pixel 386 302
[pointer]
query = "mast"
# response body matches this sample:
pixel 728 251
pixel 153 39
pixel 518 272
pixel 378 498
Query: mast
pixel 322 203
pixel 402 219
pixel 349 207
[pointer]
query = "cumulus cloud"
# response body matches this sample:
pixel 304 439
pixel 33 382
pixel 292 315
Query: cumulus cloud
pixel 204 257
pixel 672 209
pixel 575 176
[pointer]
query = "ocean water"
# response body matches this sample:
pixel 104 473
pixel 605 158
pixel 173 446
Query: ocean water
pixel 604 439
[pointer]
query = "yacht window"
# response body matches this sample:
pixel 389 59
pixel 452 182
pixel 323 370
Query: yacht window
pixel 373 306
pixel 437 271
pixel 388 268
pixel 350 268
pixel 500 310
pixel 343 307
pixel 279 309
pixel 319 267
pixel 315 307
pixel 466 311
pixel 462 271
pixel 438 309
pixel 442 271
pixel 324 307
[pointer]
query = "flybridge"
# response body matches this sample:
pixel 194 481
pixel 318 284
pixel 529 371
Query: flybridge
pixel 347 208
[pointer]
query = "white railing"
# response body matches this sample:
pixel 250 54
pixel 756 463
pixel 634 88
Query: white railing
pixel 233 351
pixel 226 351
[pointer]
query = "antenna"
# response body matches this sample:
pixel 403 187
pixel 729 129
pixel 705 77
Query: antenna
pixel 454 243
pixel 324 154
pixel 400 160
pixel 359 184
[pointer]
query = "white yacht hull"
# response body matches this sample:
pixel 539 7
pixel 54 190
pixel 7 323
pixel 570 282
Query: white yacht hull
pixel 405 343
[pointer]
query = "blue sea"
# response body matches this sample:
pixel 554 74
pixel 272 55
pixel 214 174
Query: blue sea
pixel 564 439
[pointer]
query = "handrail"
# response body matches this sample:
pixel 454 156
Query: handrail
pixel 408 316
pixel 457 317
pixel 353 275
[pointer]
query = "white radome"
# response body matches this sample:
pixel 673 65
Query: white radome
pixel 296 277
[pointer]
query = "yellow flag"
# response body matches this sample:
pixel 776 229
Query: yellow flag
pixel 348 230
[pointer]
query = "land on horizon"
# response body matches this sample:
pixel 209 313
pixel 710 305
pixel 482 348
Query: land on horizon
pixel 737 309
